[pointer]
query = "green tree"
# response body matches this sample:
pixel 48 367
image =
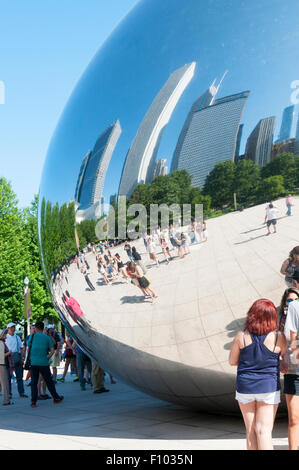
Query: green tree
pixel 246 181
pixel 19 257
pixel 286 165
pixel 219 184
pixel 270 188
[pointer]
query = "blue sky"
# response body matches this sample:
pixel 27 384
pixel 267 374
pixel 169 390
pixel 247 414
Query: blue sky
pixel 44 49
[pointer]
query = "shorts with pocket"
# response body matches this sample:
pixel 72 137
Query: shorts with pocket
pixel 272 398
pixel 291 384
pixel 271 222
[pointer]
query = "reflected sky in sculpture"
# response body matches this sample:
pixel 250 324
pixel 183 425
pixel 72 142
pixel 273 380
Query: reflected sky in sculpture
pixel 254 42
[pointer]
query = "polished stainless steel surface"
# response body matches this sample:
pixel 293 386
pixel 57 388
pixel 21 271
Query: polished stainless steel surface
pixel 193 82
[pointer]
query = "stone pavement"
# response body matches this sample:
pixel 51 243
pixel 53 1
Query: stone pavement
pixel 118 420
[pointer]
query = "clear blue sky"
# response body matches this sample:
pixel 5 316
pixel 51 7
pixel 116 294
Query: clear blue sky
pixel 44 49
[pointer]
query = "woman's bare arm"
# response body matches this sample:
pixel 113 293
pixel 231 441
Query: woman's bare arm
pixel 234 354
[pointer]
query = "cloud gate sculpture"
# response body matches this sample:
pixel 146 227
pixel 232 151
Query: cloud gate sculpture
pixel 179 85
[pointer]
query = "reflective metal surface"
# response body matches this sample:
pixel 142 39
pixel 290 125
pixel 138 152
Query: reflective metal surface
pixel 193 82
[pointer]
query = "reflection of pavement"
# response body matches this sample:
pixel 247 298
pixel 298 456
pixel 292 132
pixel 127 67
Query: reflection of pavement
pixel 119 305
pixel 180 343
pixel 121 419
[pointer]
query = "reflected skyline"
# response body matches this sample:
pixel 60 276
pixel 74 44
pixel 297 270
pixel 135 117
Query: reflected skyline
pixel 141 157
pixel 250 67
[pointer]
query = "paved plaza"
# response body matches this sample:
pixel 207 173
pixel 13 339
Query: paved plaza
pixel 118 420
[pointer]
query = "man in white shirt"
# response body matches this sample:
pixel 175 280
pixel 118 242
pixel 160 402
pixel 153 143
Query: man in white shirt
pixel 271 216
pixel 267 207
pixel 14 344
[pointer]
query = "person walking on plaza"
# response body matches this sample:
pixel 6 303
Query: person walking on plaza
pixel 289 204
pixel 70 358
pixel 97 379
pixel 174 241
pixel 82 361
pixel 128 249
pixel 268 207
pixel 291 380
pixel 41 350
pixel 271 216
pixel 4 369
pixel 14 344
pixel 151 247
pixel 256 351
pixel 289 265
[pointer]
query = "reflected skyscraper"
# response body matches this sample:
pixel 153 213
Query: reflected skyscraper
pixel 211 136
pixel 286 124
pixel 260 141
pixel 140 160
pixel 92 174
pixel 205 100
pixel 160 168
pixel 239 138
pixel 81 177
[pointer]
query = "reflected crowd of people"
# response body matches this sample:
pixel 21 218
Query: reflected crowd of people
pixel 129 265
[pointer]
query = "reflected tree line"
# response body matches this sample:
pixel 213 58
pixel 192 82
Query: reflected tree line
pixel 251 184
pixel 57 234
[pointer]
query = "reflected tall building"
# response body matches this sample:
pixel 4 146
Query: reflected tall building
pixel 260 142
pixel 139 165
pixel 211 136
pixel 160 168
pixel 90 183
pixel 286 124
pixel 239 139
pixel 205 100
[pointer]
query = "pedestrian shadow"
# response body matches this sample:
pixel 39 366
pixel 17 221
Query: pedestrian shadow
pixel 133 299
pixel 253 230
pixel 251 239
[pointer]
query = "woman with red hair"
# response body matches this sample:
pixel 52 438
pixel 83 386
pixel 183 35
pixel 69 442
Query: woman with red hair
pixel 256 351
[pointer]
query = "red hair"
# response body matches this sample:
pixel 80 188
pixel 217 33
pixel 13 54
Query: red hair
pixel 261 317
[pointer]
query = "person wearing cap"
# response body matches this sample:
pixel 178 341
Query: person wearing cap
pixel 4 369
pixel 291 381
pixel 15 346
pixel 56 358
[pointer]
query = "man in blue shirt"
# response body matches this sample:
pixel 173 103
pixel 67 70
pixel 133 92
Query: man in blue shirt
pixel 42 350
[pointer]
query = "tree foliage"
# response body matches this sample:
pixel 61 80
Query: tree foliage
pixel 19 257
pixel 58 234
pixel 286 165
pixel 219 184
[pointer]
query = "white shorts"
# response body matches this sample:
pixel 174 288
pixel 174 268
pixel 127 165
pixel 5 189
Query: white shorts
pixel 272 398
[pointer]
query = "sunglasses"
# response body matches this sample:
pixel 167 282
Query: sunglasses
pixel 291 300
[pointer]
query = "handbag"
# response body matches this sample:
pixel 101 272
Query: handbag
pixel 27 363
